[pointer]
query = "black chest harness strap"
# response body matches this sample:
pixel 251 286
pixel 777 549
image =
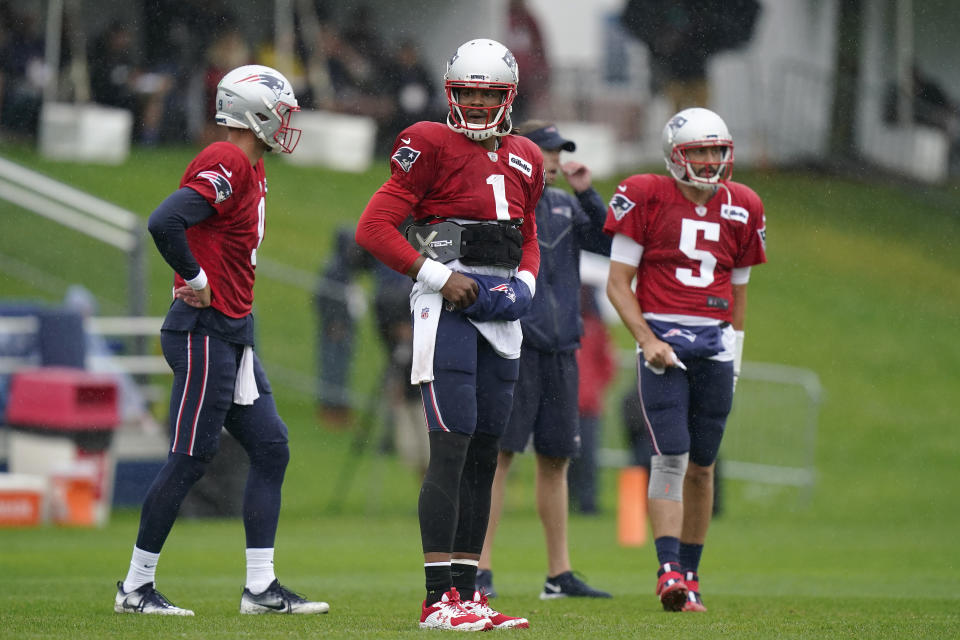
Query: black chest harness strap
pixel 484 243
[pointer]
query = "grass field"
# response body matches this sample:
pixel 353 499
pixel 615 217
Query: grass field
pixel 863 287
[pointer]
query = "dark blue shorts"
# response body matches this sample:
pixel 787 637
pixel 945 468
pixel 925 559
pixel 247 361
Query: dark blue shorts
pixel 686 411
pixel 545 405
pixel 472 389
pixel 201 401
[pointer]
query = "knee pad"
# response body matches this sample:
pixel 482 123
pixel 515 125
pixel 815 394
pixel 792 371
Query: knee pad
pixel 666 477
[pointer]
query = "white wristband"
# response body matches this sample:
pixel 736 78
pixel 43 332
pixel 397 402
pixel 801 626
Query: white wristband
pixel 527 278
pixel 433 274
pixel 198 282
pixel 737 352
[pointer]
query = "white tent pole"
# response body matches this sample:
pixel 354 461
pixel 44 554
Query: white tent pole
pixel 904 35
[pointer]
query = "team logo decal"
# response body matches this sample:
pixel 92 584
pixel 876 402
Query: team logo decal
pixel 621 205
pixel 521 165
pixel 405 157
pixel 735 214
pixel 681 333
pixel 763 237
pixel 506 290
pixel 272 82
pixel 220 185
pixel 676 123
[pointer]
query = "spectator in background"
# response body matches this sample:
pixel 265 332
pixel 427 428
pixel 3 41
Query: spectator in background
pixel 228 50
pixel 117 80
pixel 545 399
pixel 597 363
pixel 23 71
pixel 336 310
pixel 682 35
pixel 412 90
pixel 526 42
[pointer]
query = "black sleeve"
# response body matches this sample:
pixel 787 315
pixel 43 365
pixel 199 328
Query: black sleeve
pixel 592 237
pixel 168 225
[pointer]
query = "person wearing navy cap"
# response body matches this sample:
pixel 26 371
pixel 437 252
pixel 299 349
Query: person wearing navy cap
pixel 545 401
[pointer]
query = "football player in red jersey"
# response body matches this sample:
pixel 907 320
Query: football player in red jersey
pixel 690 240
pixel 209 231
pixel 472 189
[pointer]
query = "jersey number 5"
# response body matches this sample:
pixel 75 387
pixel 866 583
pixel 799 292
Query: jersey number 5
pixel 688 245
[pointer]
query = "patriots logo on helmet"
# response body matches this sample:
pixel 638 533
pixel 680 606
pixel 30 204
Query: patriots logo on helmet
pixel 676 123
pixel 621 205
pixel 220 185
pixel 510 61
pixel 405 157
pixel 506 290
pixel 270 81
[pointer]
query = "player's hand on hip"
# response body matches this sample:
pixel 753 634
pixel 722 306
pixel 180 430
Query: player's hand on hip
pixel 198 298
pixel 460 290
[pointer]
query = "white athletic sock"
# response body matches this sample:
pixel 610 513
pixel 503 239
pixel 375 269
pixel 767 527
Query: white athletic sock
pixel 259 569
pixel 143 569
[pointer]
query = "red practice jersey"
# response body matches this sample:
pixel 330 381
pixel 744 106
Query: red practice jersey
pixel 442 173
pixel 225 244
pixel 689 251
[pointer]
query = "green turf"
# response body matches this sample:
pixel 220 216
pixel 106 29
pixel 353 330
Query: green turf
pixel 863 287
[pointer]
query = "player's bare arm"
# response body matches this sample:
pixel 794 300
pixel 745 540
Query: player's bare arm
pixel 621 295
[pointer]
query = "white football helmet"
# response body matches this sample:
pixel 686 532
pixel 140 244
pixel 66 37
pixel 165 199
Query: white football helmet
pixel 481 64
pixel 696 128
pixel 261 99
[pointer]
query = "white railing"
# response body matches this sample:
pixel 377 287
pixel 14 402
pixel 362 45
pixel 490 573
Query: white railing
pixel 83 213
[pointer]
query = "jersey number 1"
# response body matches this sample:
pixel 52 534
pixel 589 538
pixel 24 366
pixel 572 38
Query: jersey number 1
pixel 496 181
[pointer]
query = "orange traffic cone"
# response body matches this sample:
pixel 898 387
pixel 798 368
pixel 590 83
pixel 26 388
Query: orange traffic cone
pixel 632 507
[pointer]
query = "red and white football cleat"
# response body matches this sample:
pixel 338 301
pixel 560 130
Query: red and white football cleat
pixel 670 587
pixel 694 602
pixel 480 606
pixel 448 613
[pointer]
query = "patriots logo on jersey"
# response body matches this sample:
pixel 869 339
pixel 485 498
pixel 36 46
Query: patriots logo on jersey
pixel 405 157
pixel 621 205
pixel 220 185
pixel 506 290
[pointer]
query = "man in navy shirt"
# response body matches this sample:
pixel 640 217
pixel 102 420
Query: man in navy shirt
pixel 545 399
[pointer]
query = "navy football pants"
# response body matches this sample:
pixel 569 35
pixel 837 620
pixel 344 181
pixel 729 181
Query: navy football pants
pixel 687 410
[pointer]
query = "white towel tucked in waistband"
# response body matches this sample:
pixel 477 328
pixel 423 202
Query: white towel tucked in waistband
pixel 425 304
pixel 245 388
